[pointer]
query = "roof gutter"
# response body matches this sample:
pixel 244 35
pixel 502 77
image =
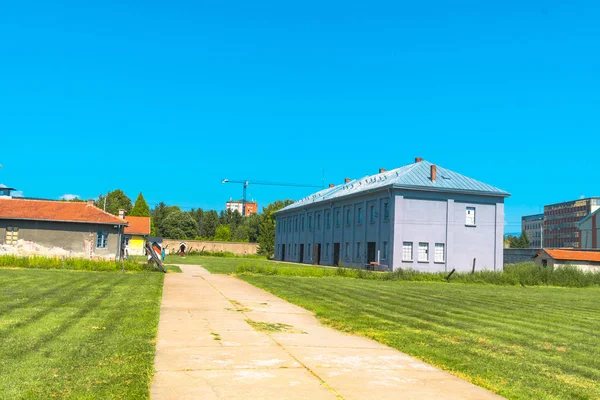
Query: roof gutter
pixel 125 223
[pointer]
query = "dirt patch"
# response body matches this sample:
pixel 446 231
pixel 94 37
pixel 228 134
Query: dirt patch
pixel 273 327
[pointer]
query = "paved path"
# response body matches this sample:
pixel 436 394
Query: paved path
pixel 207 350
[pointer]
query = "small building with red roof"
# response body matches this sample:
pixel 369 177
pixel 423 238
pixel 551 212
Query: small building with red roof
pixel 59 228
pixel 585 260
pixel 136 234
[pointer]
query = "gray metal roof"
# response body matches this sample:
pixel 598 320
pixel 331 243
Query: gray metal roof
pixel 415 176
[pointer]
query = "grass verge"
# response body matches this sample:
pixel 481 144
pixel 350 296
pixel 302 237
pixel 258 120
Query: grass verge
pixel 77 334
pixel 78 264
pixel 522 343
pixel 224 265
pixel 524 274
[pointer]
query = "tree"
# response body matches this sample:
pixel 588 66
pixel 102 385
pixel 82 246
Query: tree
pixel 179 225
pixel 230 218
pixel 252 221
pixel 241 234
pixel 266 237
pixel 160 212
pixel 210 222
pixel 223 233
pixel 518 242
pixel 115 201
pixel 524 240
pixel 140 208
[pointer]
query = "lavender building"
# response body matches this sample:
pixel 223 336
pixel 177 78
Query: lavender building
pixel 420 216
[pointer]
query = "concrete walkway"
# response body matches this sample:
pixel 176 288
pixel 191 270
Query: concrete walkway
pixel 207 350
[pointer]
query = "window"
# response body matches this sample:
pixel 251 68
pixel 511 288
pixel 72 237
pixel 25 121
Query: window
pixel 359 215
pixel 372 213
pixel 385 251
pixel 337 218
pixel 423 252
pixel 327 250
pixel 302 224
pixel 101 240
pixel 328 219
pixel 12 235
pixel 296 224
pixel 470 220
pixel 348 217
pixel 319 221
pixel 295 249
pixel 347 252
pixel 407 251
pixel 439 252
pixel 386 211
pixel 309 252
pixel 309 222
pixel 357 249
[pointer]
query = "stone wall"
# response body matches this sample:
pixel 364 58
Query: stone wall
pixel 215 247
pixel 514 256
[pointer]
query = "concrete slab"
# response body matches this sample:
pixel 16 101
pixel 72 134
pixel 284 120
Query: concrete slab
pixel 206 349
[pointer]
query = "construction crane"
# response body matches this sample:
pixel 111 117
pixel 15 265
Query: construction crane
pixel 248 182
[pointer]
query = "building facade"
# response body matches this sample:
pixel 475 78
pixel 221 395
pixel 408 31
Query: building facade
pixel 58 228
pixel 420 216
pixel 136 234
pixel 589 231
pixel 561 221
pixel 533 226
pixel 238 205
pixel 587 261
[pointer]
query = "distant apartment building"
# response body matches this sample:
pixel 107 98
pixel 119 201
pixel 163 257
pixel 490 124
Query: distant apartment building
pixel 237 205
pixel 561 221
pixel 532 225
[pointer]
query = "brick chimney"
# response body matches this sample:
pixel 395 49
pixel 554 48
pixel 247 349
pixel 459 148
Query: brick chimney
pixel 418 159
pixel 121 213
pixel 347 180
pixel 331 185
pixel 90 202
pixel 433 173
pixel 382 170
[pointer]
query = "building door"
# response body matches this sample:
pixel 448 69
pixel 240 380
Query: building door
pixel 336 254
pixel 317 254
pixel 371 252
pixel 283 252
pixel 301 253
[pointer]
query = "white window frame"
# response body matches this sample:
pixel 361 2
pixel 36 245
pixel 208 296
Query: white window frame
pixel 11 235
pixel 423 254
pixel 471 216
pixel 440 253
pixel 101 240
pixel 407 251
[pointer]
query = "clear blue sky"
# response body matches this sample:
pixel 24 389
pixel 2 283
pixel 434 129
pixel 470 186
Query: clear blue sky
pixel 168 98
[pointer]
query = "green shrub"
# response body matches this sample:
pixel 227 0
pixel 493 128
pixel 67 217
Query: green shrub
pixel 80 264
pixel 524 274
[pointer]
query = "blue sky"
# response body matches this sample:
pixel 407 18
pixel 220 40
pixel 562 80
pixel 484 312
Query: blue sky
pixel 168 98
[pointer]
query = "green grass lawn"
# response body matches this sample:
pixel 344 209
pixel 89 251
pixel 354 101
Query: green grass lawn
pixel 76 334
pixel 523 343
pixel 225 265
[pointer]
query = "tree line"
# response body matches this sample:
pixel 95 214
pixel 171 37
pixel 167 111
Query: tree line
pixel 172 222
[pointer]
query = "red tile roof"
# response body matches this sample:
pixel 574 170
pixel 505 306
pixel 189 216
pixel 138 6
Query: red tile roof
pixel 574 255
pixel 138 225
pixel 48 210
